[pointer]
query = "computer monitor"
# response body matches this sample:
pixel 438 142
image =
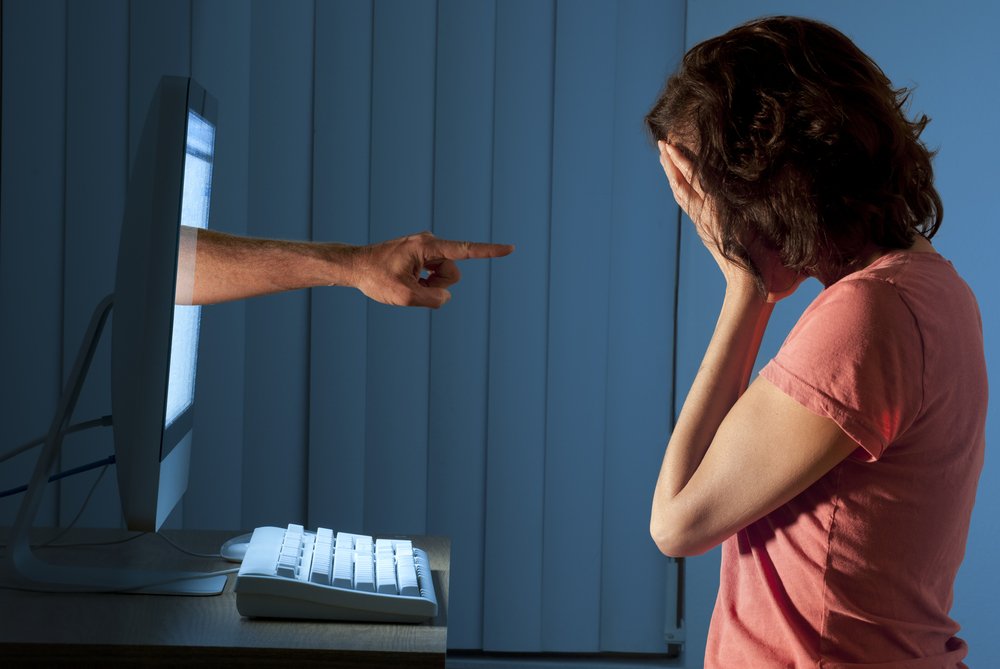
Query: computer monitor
pixel 154 346
pixel 153 352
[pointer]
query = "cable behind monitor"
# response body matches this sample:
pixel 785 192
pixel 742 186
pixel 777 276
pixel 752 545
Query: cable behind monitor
pixel 21 569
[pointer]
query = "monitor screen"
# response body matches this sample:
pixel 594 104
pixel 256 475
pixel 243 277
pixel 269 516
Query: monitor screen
pixel 200 146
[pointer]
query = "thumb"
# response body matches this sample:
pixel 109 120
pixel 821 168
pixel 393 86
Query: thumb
pixel 427 296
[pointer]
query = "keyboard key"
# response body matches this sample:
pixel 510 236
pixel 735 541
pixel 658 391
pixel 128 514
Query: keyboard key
pixel 406 575
pixel 321 563
pixel 364 572
pixel 343 568
pixel 320 573
pixel 287 565
pixel 385 575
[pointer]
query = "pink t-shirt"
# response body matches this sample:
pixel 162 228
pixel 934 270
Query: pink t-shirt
pixel 857 571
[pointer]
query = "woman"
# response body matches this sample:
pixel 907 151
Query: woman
pixel 841 482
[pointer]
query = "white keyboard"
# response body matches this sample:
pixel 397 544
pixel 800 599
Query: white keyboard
pixel 293 573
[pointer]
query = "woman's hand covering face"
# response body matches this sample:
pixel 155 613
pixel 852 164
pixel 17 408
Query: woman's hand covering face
pixel 689 195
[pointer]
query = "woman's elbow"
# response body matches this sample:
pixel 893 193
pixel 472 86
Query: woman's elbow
pixel 677 539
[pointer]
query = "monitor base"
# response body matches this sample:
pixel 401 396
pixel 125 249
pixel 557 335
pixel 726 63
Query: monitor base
pixel 22 570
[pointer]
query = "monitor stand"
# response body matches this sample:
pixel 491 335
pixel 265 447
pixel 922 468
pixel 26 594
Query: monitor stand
pixel 21 569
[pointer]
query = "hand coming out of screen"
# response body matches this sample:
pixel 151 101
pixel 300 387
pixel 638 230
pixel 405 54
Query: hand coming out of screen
pixel 415 270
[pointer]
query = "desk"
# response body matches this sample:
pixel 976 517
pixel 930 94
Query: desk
pixel 109 629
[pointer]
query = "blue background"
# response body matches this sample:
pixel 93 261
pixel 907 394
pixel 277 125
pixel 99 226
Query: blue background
pixel 529 415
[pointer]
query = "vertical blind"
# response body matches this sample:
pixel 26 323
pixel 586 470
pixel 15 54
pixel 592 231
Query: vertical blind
pixel 525 420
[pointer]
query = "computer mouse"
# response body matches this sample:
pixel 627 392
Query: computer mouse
pixel 234 549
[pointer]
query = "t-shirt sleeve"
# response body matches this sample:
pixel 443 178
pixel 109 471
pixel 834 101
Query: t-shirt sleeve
pixel 856 357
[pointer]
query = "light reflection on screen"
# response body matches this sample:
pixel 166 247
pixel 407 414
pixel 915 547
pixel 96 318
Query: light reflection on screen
pixel 194 213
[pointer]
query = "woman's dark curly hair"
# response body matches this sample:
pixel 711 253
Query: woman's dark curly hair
pixel 803 144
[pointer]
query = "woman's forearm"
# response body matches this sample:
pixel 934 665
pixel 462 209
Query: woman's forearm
pixel 721 379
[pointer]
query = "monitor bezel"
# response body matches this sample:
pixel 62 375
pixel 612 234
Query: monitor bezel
pixel 152 461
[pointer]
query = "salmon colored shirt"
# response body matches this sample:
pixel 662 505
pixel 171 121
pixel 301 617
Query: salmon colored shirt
pixel 857 571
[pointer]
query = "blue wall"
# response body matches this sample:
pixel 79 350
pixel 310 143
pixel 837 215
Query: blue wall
pixel 532 411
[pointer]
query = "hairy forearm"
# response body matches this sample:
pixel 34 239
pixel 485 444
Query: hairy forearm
pixel 219 267
pixel 722 377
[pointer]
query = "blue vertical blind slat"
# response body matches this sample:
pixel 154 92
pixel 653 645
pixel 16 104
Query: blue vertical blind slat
pixel 341 192
pixel 31 231
pixel 159 44
pixel 220 61
pixel 515 467
pixel 279 205
pixel 402 173
pixel 640 331
pixel 578 323
pixel 456 472
pixel 96 175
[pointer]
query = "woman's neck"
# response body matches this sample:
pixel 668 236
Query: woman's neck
pixel 870 254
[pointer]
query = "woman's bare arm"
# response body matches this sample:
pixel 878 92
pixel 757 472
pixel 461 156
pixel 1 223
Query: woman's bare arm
pixel 734 456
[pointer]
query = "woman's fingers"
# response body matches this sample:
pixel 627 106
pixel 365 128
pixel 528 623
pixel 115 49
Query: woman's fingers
pixel 683 193
pixel 686 168
pixel 690 199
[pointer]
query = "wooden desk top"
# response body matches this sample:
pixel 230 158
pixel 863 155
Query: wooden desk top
pixel 80 629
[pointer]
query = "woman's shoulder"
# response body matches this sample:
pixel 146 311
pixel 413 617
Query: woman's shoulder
pixel 907 276
pixel 902 295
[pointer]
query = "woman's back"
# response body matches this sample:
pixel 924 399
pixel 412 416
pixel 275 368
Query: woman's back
pixel 857 571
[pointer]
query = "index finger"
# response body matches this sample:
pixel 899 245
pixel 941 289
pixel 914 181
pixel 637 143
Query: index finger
pixel 454 250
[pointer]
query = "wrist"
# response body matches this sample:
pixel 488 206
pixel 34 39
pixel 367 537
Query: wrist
pixel 744 315
pixel 743 289
pixel 342 264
